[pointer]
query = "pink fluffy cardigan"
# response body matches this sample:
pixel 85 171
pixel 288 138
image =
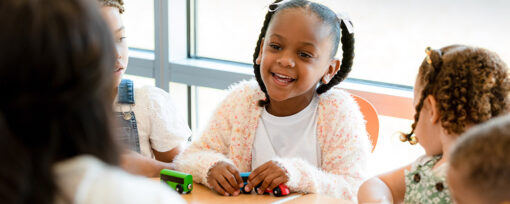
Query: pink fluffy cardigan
pixel 341 135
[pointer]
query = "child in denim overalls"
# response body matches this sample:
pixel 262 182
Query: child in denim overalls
pixel 148 121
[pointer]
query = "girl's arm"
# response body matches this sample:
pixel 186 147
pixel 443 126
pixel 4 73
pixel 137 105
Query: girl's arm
pixel 209 149
pixel 386 188
pixel 212 146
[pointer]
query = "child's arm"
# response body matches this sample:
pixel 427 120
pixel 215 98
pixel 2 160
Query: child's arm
pixel 167 156
pixel 388 187
pixel 213 145
pixel 205 158
pixel 209 149
pixel 136 163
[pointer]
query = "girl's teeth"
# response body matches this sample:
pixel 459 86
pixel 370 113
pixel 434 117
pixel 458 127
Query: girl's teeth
pixel 283 76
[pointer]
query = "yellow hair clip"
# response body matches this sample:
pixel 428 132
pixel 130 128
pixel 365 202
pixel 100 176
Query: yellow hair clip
pixel 412 139
pixel 428 50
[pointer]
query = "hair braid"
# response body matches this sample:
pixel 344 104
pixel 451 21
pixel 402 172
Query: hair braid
pixel 256 67
pixel 428 77
pixel 347 59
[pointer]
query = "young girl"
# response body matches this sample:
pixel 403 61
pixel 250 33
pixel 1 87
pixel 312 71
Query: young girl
pixel 479 164
pixel 289 126
pixel 457 87
pixel 150 126
pixel 55 114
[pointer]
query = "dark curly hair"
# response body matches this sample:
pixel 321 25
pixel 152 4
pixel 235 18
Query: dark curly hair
pixel 480 159
pixel 470 84
pixel 113 3
pixel 327 16
pixel 56 81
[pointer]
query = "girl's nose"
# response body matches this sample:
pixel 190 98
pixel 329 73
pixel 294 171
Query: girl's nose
pixel 118 51
pixel 286 60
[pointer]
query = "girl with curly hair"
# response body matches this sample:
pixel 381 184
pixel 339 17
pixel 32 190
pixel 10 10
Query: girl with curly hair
pixel 457 87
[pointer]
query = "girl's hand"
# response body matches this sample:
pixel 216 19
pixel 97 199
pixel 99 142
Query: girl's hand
pixel 225 179
pixel 270 175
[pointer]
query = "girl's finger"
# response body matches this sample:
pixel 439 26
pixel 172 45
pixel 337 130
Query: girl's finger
pixel 225 185
pixel 268 180
pixel 277 181
pixel 231 179
pixel 259 170
pixel 258 179
pixel 216 186
pixel 237 176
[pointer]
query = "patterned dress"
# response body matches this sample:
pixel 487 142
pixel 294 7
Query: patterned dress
pixel 425 184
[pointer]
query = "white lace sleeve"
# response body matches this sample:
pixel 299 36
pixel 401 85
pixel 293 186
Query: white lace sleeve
pixel 168 128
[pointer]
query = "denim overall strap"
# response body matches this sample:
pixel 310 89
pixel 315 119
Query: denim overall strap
pixel 126 94
pixel 127 130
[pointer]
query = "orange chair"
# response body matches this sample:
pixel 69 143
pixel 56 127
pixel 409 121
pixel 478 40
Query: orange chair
pixel 370 114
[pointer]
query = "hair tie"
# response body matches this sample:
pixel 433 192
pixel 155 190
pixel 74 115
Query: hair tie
pixel 274 6
pixel 428 50
pixel 347 21
pixel 436 54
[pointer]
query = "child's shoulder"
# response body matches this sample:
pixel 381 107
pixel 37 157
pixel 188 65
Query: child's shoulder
pixel 248 87
pixel 339 100
pixel 150 91
pixel 149 96
pixel 245 91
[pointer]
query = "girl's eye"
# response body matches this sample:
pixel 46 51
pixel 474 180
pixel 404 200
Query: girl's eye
pixel 304 54
pixel 122 39
pixel 274 46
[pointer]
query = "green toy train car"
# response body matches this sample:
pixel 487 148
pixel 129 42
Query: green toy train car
pixel 181 182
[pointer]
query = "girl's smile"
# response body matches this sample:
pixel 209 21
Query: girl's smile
pixel 282 79
pixel 294 56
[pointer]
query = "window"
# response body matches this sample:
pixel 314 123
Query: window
pixel 139 22
pixel 391 35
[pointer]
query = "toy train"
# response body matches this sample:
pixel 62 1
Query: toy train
pixel 280 190
pixel 180 182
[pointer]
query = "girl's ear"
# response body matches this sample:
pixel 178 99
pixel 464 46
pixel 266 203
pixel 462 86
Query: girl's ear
pixel 259 58
pixel 434 110
pixel 333 68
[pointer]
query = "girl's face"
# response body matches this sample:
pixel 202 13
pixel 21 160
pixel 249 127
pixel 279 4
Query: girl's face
pixel 114 21
pixel 295 55
pixel 427 130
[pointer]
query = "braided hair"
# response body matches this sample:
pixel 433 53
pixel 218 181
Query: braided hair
pixel 471 85
pixel 339 28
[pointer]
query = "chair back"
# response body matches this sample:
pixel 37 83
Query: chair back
pixel 371 118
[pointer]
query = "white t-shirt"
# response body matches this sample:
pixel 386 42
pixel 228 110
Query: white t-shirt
pixel 160 126
pixel 86 179
pixel 289 136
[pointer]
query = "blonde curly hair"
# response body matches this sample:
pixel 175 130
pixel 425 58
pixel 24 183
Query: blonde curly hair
pixel 113 3
pixel 470 84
